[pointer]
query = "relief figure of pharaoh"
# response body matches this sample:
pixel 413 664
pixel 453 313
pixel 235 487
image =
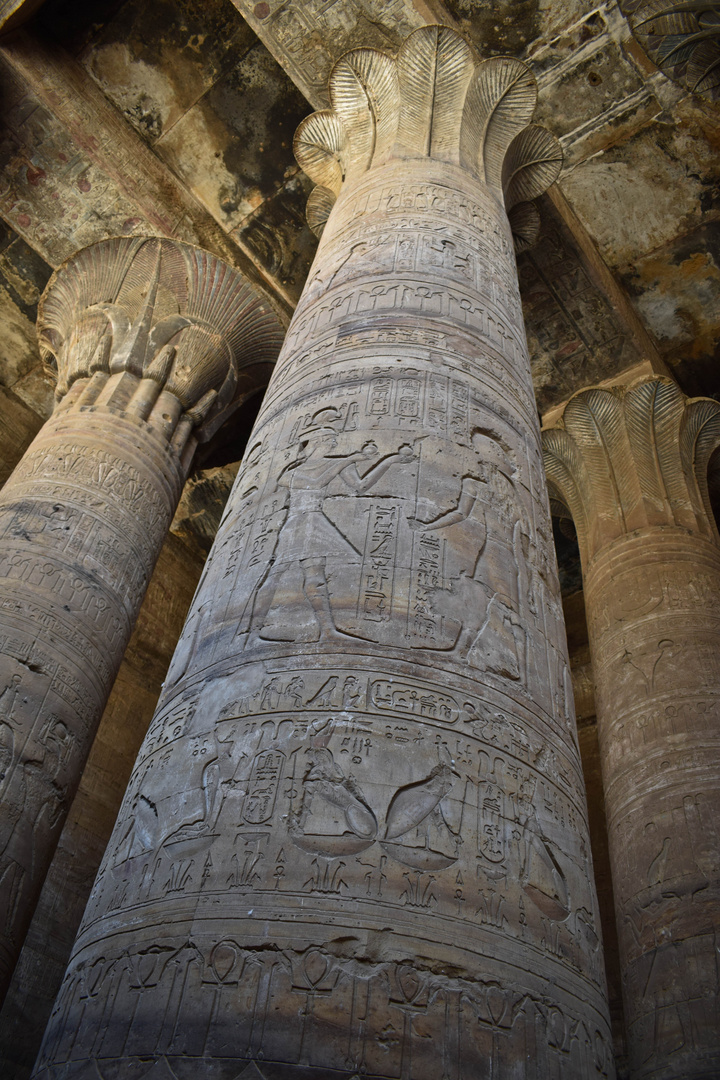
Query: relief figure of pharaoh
pixel 307 536
pixel 488 494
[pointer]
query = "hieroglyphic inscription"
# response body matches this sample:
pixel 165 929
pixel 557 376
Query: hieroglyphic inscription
pixel 378 564
pixel 81 474
pixel 81 528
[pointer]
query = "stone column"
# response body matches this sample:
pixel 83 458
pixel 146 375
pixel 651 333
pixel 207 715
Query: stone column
pixel 154 342
pixel 355 841
pixel 631 466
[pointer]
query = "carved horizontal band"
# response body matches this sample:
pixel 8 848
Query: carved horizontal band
pixel 161 310
pixel 436 99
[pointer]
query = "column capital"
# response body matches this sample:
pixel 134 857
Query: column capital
pixel 436 99
pixel 621 459
pixel 163 311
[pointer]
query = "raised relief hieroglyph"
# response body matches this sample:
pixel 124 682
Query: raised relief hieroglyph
pixel 153 343
pixel 355 841
pixel 630 466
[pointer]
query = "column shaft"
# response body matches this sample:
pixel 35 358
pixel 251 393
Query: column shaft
pixel 153 343
pixel 631 466
pixel 82 520
pixel 653 602
pixel 355 840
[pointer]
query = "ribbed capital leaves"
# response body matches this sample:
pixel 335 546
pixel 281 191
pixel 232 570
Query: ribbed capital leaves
pixel 622 459
pixel 163 310
pixel 435 99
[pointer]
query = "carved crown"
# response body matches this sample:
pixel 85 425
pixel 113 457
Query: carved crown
pixel 436 99
pixel 627 458
pixel 159 309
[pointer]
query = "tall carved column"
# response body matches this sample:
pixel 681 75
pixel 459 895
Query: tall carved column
pixel 631 466
pixel 355 840
pixel 154 342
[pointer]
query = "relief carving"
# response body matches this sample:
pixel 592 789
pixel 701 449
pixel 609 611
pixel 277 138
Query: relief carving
pixel 308 537
pixel 153 343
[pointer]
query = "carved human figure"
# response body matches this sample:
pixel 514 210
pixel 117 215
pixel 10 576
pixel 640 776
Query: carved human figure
pixel 388 527
pixel 307 537
pixel 488 494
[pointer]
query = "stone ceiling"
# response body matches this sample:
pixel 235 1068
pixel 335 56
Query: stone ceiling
pixel 177 117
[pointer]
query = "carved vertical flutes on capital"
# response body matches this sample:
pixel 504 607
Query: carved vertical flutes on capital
pixel 153 343
pixel 355 840
pixel 630 465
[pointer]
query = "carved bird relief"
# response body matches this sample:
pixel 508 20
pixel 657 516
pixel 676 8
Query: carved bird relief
pixel 334 818
pixel 412 813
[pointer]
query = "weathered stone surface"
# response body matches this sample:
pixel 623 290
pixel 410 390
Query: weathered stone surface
pixel 154 343
pixel 593 90
pixel 156 61
pixel 167 66
pixel 631 466
pixel 592 774
pixel 18 427
pixel 200 508
pixel 355 839
pixel 23 276
pixel 125 721
pixel 308 37
pixel 583 682
pixel 577 319
pixel 278 236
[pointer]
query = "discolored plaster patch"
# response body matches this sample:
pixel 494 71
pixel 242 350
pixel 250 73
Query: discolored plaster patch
pixel 677 293
pixel 634 198
pixel 22 271
pixel 23 275
pixel 596 104
pixel 497 28
pixel 234 147
pixel 279 237
pixel 143 93
pixel 307 36
pixel 555 16
pixel 694 138
pixel 593 91
pixel 154 61
pixel 18 343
